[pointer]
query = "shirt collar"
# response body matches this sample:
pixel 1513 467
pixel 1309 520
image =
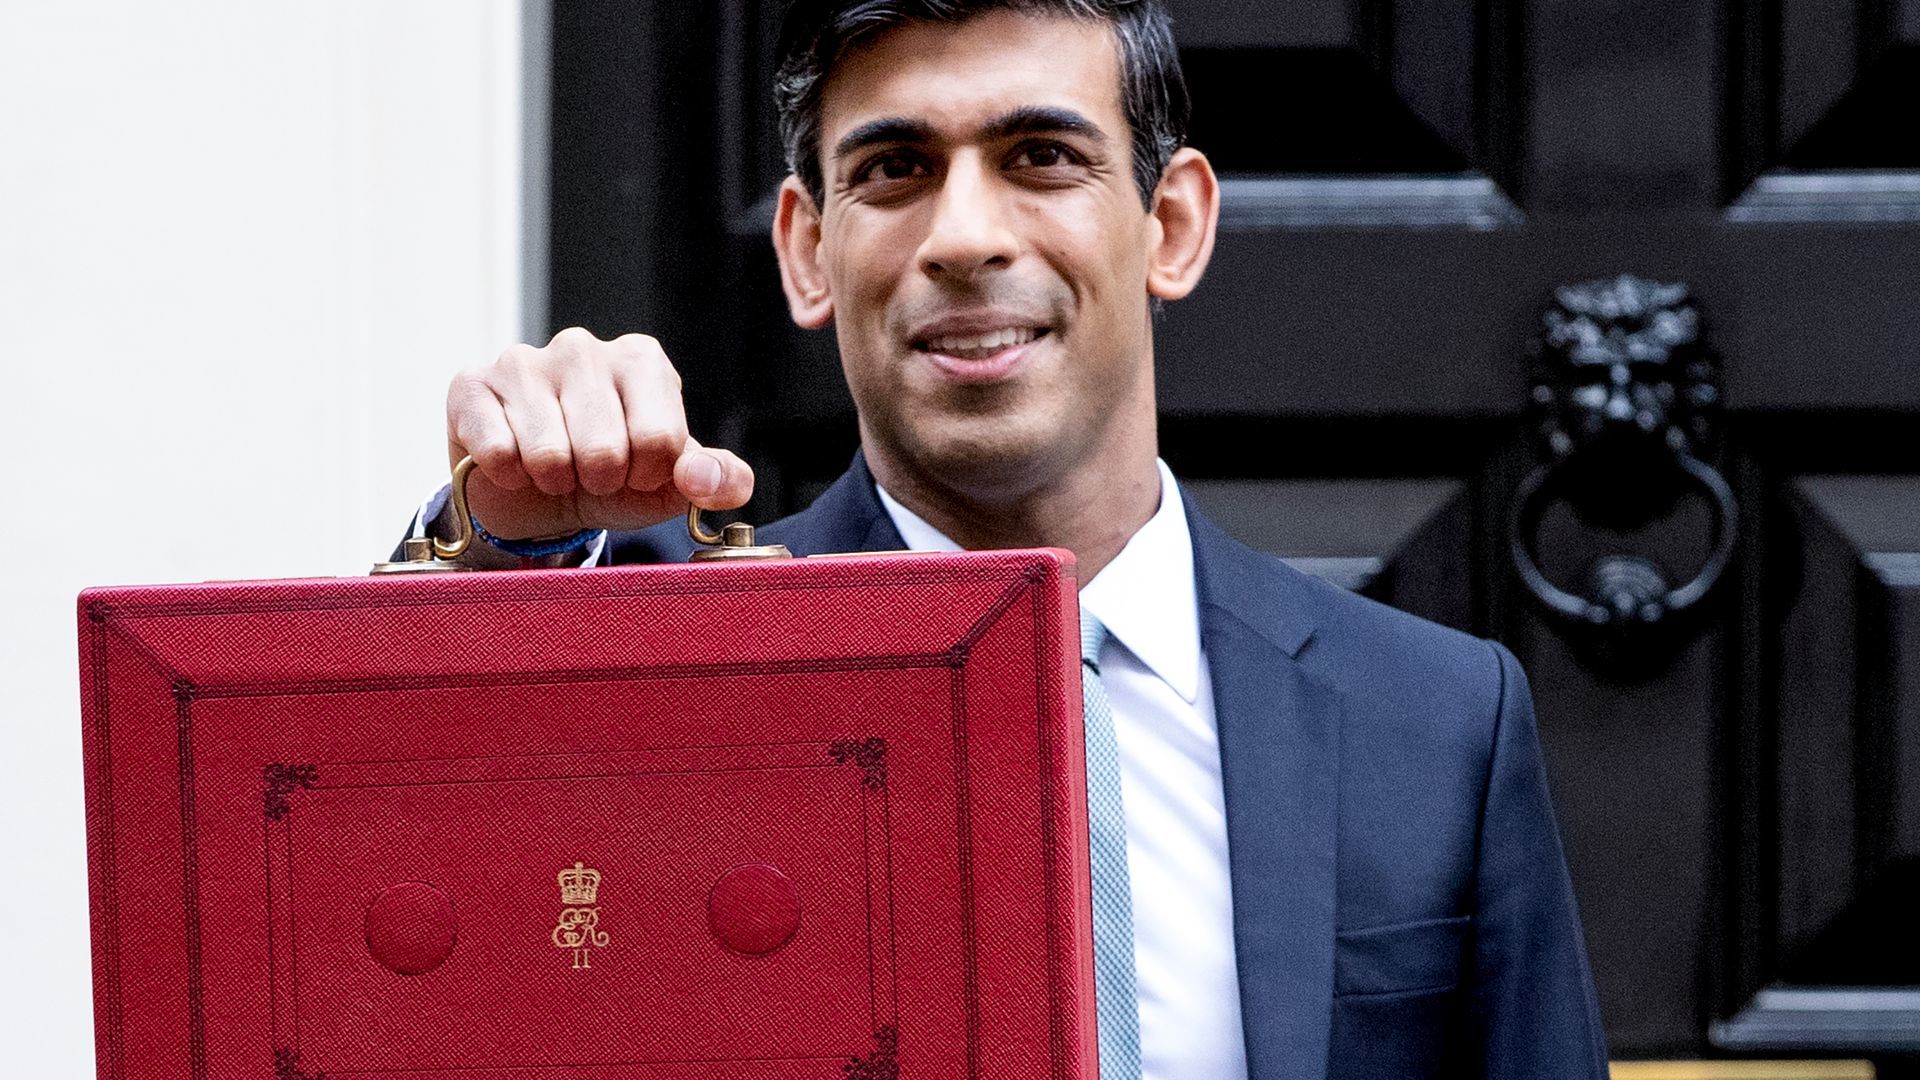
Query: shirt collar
pixel 1145 596
pixel 914 530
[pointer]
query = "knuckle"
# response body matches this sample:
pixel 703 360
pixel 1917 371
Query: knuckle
pixel 493 456
pixel 600 457
pixel 643 354
pixel 467 385
pixel 491 447
pixel 476 435
pixel 547 458
pixel 514 358
pixel 657 442
pixel 574 337
pixel 639 345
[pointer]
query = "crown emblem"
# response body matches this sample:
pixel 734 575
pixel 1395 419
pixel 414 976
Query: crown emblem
pixel 579 885
pixel 579 925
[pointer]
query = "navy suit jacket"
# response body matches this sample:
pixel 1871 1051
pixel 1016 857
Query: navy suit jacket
pixel 1401 906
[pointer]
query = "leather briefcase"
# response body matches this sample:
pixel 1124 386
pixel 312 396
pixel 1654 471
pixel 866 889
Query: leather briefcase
pixel 816 818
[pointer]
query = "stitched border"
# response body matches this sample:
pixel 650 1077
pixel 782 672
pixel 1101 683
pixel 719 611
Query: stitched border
pixel 284 826
pixel 104 614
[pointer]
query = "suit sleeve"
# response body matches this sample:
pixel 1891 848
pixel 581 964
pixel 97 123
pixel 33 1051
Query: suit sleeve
pixel 1533 1002
pixel 417 528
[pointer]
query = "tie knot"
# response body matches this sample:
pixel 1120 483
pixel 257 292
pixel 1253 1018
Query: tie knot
pixel 1093 634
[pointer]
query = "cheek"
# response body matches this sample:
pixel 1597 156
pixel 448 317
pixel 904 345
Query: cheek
pixel 1106 268
pixel 1112 337
pixel 869 255
pixel 1099 251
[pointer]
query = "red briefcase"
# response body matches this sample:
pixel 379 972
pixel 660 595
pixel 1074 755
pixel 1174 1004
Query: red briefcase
pixel 811 818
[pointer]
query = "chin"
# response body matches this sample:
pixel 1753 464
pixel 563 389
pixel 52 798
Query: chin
pixel 990 459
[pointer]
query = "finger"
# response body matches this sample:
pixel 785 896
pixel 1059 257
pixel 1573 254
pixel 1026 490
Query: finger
pixel 596 428
pixel 629 509
pixel 477 427
pixel 713 479
pixel 532 405
pixel 656 422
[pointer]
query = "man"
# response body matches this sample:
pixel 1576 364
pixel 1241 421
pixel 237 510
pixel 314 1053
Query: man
pixel 1338 848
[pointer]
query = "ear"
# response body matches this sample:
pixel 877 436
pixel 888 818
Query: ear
pixel 796 240
pixel 1186 211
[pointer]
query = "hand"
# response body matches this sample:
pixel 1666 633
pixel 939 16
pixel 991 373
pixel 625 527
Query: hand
pixel 583 434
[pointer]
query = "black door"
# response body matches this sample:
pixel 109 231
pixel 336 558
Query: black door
pixel 1416 351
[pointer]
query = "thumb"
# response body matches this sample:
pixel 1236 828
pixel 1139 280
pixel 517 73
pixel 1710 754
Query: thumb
pixel 711 478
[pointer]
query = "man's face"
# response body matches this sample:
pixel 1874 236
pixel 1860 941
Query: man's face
pixel 985 247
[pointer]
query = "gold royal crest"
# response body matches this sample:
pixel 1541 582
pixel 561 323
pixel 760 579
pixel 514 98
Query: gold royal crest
pixel 579 925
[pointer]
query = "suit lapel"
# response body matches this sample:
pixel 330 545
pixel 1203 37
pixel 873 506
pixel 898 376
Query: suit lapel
pixel 846 517
pixel 1280 758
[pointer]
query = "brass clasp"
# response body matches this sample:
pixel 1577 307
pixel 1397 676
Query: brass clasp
pixel 733 541
pixel 431 554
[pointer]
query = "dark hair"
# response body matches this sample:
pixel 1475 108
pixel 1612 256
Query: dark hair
pixel 814 33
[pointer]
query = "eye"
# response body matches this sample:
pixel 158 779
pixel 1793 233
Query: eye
pixel 891 165
pixel 1044 155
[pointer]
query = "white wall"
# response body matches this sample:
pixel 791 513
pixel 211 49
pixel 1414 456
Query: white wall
pixel 243 246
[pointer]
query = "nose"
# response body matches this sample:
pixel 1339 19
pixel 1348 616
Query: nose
pixel 968 233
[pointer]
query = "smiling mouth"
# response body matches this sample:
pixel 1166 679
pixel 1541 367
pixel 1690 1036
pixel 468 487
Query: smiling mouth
pixel 981 346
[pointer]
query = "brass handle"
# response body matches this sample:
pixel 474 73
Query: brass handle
pixel 430 553
pixel 735 540
pixel 700 533
pixel 449 550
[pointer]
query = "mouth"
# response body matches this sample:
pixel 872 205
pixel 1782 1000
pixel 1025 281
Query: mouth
pixel 987 355
pixel 983 345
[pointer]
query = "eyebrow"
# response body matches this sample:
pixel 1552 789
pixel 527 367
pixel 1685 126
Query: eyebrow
pixel 1026 120
pixel 1044 120
pixel 890 129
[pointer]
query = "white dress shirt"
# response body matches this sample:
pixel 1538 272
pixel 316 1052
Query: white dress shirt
pixel 1156 680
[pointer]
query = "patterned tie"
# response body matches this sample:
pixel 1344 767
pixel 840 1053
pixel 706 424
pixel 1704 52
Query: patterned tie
pixel 1119 1011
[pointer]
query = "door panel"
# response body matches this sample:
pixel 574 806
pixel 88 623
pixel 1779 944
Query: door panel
pixel 1842 860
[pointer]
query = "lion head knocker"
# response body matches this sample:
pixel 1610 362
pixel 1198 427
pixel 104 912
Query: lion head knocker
pixel 1625 396
pixel 1623 362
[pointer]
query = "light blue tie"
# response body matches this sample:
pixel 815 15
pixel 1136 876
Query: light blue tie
pixel 1113 979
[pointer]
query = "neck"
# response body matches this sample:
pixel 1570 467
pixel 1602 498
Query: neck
pixel 1091 508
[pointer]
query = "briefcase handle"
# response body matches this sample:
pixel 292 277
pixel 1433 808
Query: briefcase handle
pixel 735 540
pixel 430 554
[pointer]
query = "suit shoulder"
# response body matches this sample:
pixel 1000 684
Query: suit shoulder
pixel 1422 705
pixel 1364 631
pixel 1399 669
pixel 1359 646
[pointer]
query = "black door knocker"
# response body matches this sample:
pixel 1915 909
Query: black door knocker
pixel 1625 393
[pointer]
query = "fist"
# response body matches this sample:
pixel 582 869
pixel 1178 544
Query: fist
pixel 583 434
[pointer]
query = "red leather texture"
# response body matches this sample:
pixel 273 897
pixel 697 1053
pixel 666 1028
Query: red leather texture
pixel 804 819
pixel 754 909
